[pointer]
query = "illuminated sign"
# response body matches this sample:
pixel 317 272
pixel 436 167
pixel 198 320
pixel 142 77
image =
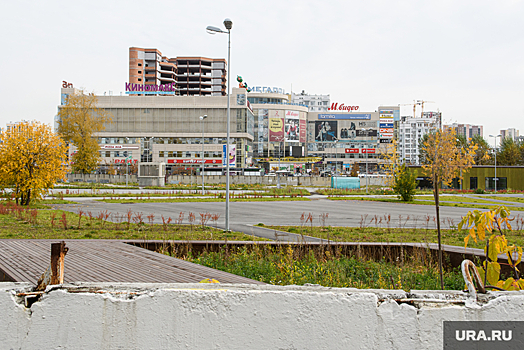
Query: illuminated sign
pixel 267 89
pixel 345 116
pixel 194 161
pixel 342 107
pixel 149 89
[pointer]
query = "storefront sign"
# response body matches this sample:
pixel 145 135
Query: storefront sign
pixel 123 161
pixel 386 125
pixel 387 135
pixel 267 89
pixel 147 89
pixel 194 161
pixel 118 147
pixel 368 150
pixel 386 130
pixel 342 107
pixel 352 150
pixel 345 116
pixel 358 150
pixel 386 140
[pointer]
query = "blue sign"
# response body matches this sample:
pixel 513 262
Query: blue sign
pixel 345 116
pixel 386 125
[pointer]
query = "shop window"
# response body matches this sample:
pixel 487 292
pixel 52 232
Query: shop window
pixel 108 154
pixel 161 154
pixel 473 183
pixel 502 183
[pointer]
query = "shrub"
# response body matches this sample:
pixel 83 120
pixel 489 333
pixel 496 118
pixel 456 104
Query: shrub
pixel 479 191
pixel 405 184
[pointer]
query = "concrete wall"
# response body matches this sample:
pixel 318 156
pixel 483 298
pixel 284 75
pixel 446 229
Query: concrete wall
pixel 204 316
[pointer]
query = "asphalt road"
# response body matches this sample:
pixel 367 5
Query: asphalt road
pixel 244 215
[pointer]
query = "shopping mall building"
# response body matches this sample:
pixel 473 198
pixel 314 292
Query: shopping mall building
pixel 266 131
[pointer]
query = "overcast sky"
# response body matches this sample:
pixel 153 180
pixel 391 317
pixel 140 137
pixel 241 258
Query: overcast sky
pixel 466 56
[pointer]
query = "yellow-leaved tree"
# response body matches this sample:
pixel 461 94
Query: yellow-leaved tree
pixel 32 159
pixel 79 119
pixel 444 159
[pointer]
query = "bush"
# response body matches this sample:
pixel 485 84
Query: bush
pixel 479 191
pixel 405 184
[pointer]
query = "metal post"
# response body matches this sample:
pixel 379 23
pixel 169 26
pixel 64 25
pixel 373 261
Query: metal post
pixel 278 171
pixel 228 118
pixel 202 156
pixel 495 180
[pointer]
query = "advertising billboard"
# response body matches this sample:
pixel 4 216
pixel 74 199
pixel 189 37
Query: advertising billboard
pixel 276 126
pixel 350 116
pixel 366 133
pixel 292 126
pixel 232 155
pixel 325 130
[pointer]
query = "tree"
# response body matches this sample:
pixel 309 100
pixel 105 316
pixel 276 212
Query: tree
pixel 405 183
pixel 483 153
pixel 32 160
pixel 79 120
pixel 444 161
pixel 509 152
pixel 354 170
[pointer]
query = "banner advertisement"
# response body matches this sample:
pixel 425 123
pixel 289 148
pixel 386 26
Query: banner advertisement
pixel 366 133
pixel 194 161
pixel 325 131
pixel 345 116
pixel 367 124
pixel 292 126
pixel 303 125
pixel 232 155
pixel 262 129
pixel 276 126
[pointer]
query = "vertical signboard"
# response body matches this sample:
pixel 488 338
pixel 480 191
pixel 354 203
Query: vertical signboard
pixel 232 155
pixel 262 131
pixel 386 123
pixel 292 126
pixel 303 124
pixel 276 126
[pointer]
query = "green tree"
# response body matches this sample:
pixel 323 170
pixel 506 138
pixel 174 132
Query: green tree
pixel 32 160
pixel 405 183
pixel 483 152
pixel 79 119
pixel 509 152
pixel 444 161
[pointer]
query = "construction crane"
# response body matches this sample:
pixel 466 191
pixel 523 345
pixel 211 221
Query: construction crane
pixel 415 104
pixel 421 103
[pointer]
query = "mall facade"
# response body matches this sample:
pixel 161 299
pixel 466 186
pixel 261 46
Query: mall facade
pixel 267 132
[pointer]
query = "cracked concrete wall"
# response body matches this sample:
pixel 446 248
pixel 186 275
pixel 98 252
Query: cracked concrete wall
pixel 204 316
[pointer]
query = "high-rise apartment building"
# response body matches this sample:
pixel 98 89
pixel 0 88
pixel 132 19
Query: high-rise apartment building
pixel 511 133
pixel 409 132
pixel 315 103
pixel 183 75
pixel 467 130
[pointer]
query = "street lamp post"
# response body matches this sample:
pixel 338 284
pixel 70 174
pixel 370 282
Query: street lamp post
pixel 495 180
pixel 127 166
pixel 202 117
pixel 213 30
pixel 336 162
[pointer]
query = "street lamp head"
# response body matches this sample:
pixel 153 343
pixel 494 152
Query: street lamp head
pixel 228 24
pixel 202 117
pixel 213 30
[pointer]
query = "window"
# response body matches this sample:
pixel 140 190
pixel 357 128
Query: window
pixel 502 183
pixel 140 64
pixel 139 79
pixel 108 154
pixel 139 72
pixel 161 154
pixel 473 183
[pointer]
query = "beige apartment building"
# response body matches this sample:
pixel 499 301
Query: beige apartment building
pixel 186 76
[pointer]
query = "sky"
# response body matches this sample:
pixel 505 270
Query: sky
pixel 464 56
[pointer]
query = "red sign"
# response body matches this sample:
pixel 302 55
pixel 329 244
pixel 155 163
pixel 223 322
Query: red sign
pixel 123 161
pixel 352 150
pixel 194 161
pixel 342 107
pixel 382 131
pixel 368 150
